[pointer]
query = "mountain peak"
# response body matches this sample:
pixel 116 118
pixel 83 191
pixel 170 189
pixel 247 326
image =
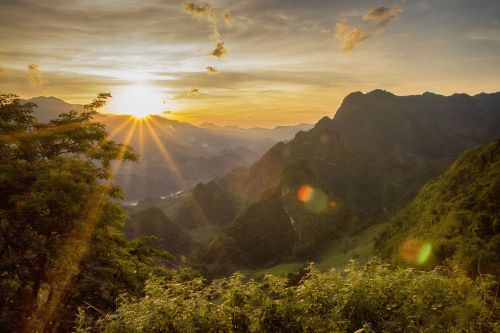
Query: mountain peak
pixel 380 93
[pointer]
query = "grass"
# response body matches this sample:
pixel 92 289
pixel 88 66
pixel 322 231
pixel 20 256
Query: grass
pixel 337 254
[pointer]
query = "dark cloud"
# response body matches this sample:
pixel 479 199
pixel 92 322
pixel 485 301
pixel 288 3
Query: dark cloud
pixel 350 35
pixel 381 16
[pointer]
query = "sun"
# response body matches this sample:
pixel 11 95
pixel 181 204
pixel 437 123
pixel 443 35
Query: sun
pixel 140 101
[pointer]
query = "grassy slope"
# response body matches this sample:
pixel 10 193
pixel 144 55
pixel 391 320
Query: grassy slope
pixel 337 253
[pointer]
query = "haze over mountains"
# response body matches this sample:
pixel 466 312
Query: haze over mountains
pixel 175 155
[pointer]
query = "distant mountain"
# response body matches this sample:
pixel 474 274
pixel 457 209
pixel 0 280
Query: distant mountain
pixel 175 155
pixel 456 216
pixel 51 107
pixel 353 170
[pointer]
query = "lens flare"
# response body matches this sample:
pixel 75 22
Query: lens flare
pixel 415 251
pixel 305 193
pixel 314 199
pixel 424 254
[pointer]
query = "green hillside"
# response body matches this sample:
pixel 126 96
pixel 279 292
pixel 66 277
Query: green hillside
pixel 454 219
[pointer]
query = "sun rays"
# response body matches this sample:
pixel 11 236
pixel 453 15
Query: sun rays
pixel 77 244
pixel 150 126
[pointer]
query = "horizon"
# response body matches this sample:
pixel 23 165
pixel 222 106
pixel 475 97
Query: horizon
pixel 246 64
pixel 202 124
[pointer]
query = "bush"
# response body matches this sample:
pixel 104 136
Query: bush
pixel 371 297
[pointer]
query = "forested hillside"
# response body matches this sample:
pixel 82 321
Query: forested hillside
pixel 455 219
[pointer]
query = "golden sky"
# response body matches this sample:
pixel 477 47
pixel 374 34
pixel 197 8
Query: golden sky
pixel 249 62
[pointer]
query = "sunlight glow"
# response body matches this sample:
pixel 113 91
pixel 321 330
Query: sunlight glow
pixel 138 100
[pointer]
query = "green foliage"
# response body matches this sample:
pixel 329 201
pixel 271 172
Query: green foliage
pixel 60 232
pixel 374 297
pixel 458 214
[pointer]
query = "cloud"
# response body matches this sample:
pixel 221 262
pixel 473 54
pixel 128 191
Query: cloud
pixel 381 16
pixel 207 12
pixel 206 9
pixel 34 76
pixel 194 92
pixel 210 70
pixel 228 19
pixel 488 35
pixel 219 51
pixel 350 35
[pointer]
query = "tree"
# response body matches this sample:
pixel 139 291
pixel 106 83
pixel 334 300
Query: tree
pixel 59 225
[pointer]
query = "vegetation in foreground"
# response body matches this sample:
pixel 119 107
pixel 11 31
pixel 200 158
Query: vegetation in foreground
pixel 370 298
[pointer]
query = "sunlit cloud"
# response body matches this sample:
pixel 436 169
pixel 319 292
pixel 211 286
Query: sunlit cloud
pixel 210 14
pixel 206 12
pixel 219 51
pixel 350 35
pixel 34 76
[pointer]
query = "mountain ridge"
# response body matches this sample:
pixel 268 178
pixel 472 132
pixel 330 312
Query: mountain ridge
pixel 370 160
